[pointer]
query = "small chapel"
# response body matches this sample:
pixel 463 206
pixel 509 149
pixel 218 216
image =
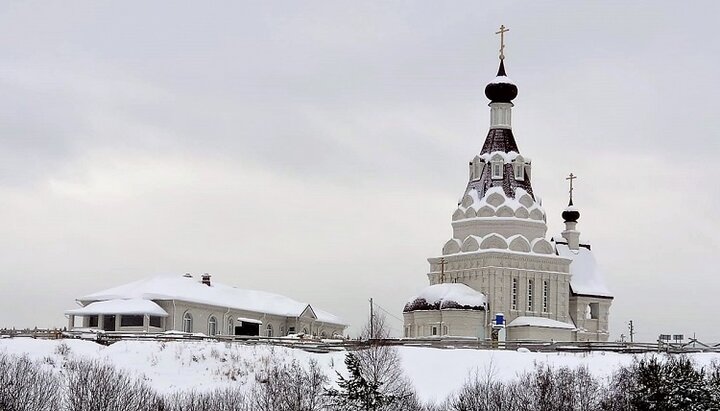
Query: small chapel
pixel 499 277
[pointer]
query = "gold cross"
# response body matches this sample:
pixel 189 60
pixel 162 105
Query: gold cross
pixel 571 178
pixel 502 32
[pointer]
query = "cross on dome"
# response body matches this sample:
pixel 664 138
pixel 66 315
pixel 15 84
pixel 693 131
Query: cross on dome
pixel 571 178
pixel 502 32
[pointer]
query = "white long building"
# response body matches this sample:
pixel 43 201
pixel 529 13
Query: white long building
pixel 192 305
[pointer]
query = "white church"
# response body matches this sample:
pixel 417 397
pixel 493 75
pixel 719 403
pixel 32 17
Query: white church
pixel 499 276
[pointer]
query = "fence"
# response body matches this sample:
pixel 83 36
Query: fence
pixel 324 346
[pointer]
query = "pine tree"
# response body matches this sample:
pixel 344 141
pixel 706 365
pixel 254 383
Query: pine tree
pixel 356 392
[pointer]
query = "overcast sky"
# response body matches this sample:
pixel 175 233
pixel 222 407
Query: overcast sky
pixel 318 149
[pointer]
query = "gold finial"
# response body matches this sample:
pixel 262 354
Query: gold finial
pixel 502 32
pixel 571 178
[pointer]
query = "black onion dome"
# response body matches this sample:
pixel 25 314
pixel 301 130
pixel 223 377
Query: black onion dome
pixel 571 214
pixel 501 89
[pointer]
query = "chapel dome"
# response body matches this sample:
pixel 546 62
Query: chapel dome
pixel 501 89
pixel 571 214
pixel 447 296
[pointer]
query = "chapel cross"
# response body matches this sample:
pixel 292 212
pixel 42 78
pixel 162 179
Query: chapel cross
pixel 571 178
pixel 502 32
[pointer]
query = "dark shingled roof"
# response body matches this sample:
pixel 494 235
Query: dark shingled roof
pixel 500 139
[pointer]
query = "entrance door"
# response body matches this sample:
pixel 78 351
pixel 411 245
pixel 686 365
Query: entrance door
pixel 109 323
pixel 246 328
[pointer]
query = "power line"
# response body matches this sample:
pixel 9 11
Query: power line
pixel 388 312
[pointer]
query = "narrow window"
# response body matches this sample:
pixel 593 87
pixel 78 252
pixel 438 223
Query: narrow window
pixel 187 323
pixel 594 311
pixel 445 330
pixel 530 304
pixel 434 330
pixel 269 330
pixel 519 172
pixel 291 330
pixel 93 321
pixel 513 295
pixel 230 327
pixel 497 170
pixel 546 292
pixel 212 326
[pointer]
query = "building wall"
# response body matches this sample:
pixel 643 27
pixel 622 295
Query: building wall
pixel 492 272
pixel 280 325
pixel 450 322
pixel 527 333
pixel 591 315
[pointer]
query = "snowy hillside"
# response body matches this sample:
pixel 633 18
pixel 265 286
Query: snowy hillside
pixel 174 366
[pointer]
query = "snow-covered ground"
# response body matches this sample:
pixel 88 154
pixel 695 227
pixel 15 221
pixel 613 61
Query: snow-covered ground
pixel 186 365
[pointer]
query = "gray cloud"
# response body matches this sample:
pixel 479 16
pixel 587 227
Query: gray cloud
pixel 321 146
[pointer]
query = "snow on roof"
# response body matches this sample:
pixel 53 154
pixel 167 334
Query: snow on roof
pixel 524 321
pixel 119 306
pixel 501 80
pixel 191 290
pixel 585 278
pixel 249 320
pixel 447 295
pixel 513 203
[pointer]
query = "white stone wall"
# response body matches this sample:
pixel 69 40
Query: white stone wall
pixel 582 311
pixel 492 272
pixel 528 333
pixel 447 322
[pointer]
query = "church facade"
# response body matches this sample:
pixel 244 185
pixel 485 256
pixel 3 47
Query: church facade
pixel 499 276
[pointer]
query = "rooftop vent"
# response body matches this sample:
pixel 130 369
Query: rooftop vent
pixel 206 279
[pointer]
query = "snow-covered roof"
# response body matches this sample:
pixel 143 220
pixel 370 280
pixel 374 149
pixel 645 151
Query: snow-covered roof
pixel 191 290
pixel 524 321
pixel 249 320
pixel 501 80
pixel 133 306
pixel 447 295
pixel 585 278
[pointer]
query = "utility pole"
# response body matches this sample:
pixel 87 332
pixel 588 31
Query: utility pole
pixel 632 331
pixel 372 320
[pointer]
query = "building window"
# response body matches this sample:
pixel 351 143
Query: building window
pixel 530 302
pixel 282 330
pixel 594 311
pixel 445 330
pixel 131 321
pixel 291 330
pixel 519 172
pixel 545 296
pixel 187 323
pixel 434 330
pixel 497 170
pixel 230 327
pixel 155 321
pixel 93 321
pixel 212 325
pixel 269 330
pixel 513 295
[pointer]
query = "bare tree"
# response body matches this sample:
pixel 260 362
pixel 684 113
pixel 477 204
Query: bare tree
pixel 26 386
pixel 93 385
pixel 381 365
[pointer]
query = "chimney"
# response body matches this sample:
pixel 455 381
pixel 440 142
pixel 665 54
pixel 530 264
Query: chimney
pixel 206 279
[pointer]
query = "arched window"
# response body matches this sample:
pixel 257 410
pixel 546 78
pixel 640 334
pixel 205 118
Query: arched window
pixel 187 323
pixel 269 330
pixel 230 327
pixel 212 325
pixel 282 330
